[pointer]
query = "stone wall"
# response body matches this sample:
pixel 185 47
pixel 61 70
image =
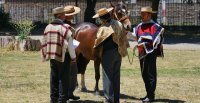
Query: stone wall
pixel 13 43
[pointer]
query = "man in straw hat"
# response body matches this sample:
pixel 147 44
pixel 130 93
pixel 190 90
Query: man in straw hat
pixel 111 40
pixel 149 37
pixel 57 47
pixel 70 11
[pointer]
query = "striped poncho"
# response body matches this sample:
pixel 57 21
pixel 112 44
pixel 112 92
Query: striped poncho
pixel 56 41
pixel 149 37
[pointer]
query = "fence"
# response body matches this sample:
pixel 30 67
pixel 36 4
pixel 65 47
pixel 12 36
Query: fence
pixel 170 13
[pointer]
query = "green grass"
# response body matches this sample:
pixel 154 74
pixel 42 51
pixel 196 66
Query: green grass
pixel 24 78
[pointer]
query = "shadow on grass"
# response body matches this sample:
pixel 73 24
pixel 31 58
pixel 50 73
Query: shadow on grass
pixel 182 40
pixel 169 101
pixel 85 101
pixel 122 96
pixel 93 92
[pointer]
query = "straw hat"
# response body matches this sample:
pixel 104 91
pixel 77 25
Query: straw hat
pixel 58 10
pixel 71 10
pixel 147 9
pixel 102 12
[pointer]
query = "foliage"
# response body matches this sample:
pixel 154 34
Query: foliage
pixel 4 19
pixel 23 28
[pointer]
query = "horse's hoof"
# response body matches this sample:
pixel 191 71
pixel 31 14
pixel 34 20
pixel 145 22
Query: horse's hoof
pixel 77 89
pixel 84 89
pixel 97 93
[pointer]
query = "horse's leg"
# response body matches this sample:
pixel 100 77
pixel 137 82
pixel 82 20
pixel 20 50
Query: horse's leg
pixel 97 75
pixel 82 64
pixel 83 87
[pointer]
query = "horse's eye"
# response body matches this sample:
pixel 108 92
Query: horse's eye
pixel 119 11
pixel 123 10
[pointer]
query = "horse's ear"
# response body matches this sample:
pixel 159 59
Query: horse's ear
pixel 120 2
pixel 111 4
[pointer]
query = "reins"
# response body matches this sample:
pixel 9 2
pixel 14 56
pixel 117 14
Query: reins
pixel 134 54
pixel 131 59
pixel 123 18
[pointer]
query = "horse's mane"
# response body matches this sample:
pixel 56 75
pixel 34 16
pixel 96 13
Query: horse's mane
pixel 83 26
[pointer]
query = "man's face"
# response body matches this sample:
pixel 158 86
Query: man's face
pixel 146 16
pixel 70 17
pixel 103 21
pixel 62 16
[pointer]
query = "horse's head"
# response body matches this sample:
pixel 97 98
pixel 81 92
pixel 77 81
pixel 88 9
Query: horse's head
pixel 120 13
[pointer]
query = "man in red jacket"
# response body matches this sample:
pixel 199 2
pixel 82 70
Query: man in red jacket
pixel 149 37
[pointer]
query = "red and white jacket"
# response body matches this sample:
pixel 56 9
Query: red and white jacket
pixel 149 37
pixel 56 41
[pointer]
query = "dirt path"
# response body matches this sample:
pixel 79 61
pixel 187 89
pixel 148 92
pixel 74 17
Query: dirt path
pixel 182 46
pixel 178 44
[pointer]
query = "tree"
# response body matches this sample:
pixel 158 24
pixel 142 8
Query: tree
pixel 89 11
pixel 155 5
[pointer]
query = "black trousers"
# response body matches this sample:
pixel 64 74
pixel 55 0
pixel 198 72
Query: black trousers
pixel 149 74
pixel 111 63
pixel 73 78
pixel 59 80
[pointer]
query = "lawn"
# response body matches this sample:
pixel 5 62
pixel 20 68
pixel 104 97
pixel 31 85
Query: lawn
pixel 25 79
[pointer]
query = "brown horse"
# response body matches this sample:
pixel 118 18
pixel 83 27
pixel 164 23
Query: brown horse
pixel 86 34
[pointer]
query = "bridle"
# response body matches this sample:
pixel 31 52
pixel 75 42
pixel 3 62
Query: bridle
pixel 120 19
pixel 124 19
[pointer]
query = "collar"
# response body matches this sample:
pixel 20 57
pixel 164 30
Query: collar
pixel 108 23
pixel 150 21
pixel 57 21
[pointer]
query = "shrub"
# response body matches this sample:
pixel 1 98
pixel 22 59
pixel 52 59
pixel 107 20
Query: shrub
pixel 23 28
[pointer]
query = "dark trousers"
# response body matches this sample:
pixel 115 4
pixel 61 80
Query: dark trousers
pixel 111 63
pixel 59 80
pixel 73 79
pixel 149 74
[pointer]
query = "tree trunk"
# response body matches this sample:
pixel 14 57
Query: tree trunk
pixel 90 12
pixel 155 5
pixel 76 2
